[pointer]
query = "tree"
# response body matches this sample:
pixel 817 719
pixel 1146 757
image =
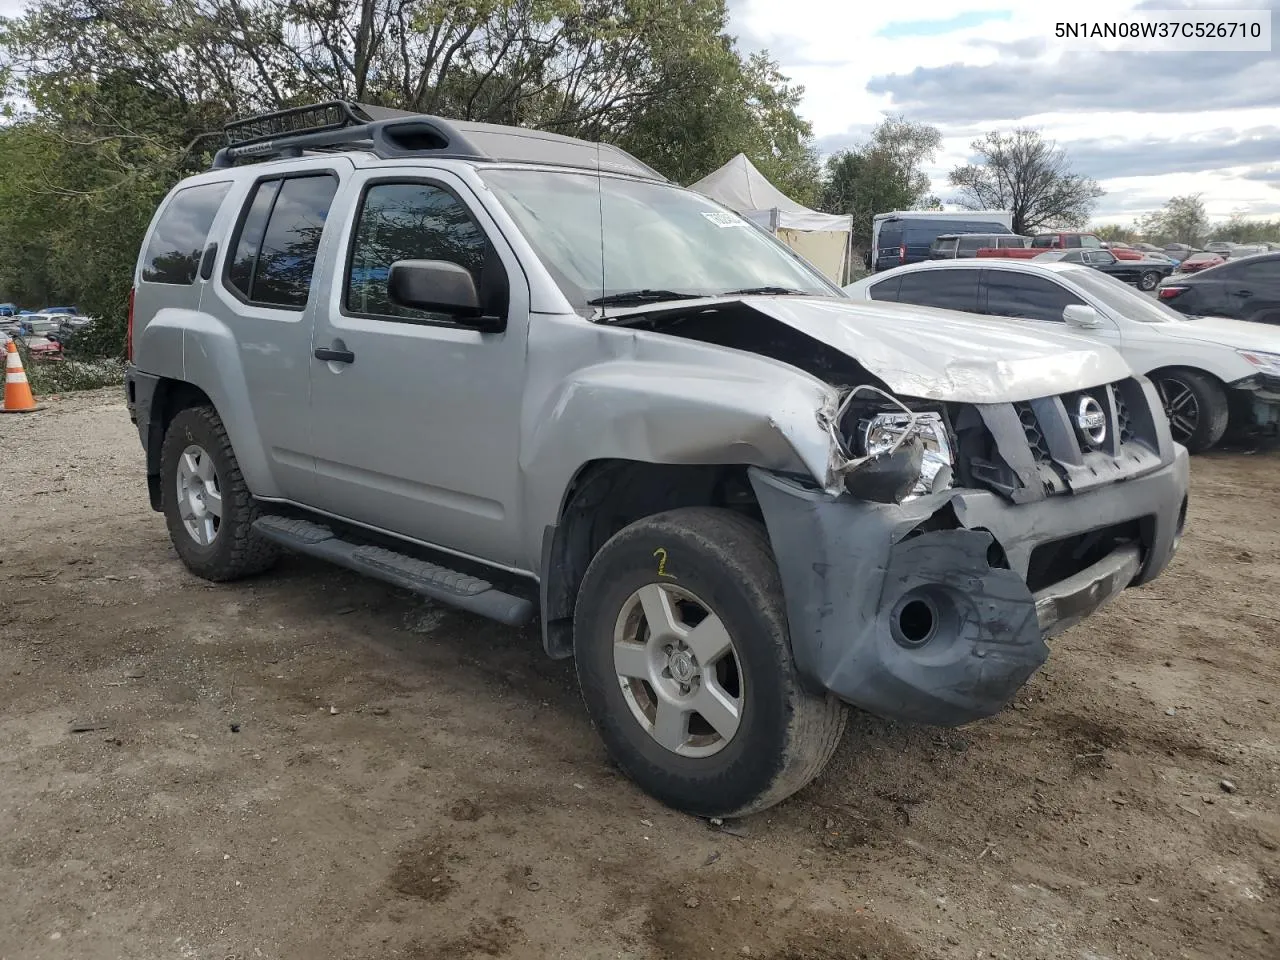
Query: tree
pixel 125 97
pixel 1026 174
pixel 1240 229
pixel 885 173
pixel 1115 233
pixel 1181 220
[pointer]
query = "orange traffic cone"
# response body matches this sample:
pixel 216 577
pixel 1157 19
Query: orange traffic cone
pixel 17 392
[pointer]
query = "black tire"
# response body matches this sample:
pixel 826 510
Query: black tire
pixel 786 734
pixel 236 551
pixel 1149 280
pixel 1196 405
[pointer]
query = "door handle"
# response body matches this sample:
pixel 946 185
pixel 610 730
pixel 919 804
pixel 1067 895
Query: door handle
pixel 1244 293
pixel 334 355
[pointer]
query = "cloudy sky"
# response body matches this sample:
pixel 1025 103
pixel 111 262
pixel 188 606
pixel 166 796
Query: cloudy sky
pixel 1147 125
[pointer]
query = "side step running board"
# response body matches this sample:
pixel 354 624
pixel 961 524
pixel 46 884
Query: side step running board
pixel 427 579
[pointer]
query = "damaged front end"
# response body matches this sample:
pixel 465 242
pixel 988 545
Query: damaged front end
pixel 961 537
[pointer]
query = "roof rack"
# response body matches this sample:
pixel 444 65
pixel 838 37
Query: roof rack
pixel 391 134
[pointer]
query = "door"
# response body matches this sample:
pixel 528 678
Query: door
pixel 1253 290
pixel 888 245
pixel 415 417
pixel 262 294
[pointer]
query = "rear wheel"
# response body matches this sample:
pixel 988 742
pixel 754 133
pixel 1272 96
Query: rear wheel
pixel 685 665
pixel 207 505
pixel 1196 406
pixel 1149 280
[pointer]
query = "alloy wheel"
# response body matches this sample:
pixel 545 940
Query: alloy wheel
pixel 1181 407
pixel 199 495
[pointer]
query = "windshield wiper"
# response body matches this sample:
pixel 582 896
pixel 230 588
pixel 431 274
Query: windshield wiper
pixel 765 291
pixel 641 296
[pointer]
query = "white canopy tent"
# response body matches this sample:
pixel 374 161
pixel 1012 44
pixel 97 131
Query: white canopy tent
pixel 821 238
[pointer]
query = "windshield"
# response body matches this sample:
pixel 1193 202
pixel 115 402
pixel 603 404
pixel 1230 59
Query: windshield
pixel 1119 297
pixel 602 237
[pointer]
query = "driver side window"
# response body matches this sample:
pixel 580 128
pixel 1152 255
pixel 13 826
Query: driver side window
pixel 1025 296
pixel 412 221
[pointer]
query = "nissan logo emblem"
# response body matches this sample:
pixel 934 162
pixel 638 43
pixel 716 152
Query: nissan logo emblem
pixel 1091 421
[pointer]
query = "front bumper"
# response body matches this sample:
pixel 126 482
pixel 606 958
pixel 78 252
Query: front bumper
pixel 921 612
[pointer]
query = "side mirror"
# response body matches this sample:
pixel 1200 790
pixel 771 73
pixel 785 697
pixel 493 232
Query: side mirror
pixel 1082 315
pixel 439 286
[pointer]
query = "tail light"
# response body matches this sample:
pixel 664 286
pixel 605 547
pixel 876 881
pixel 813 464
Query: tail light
pixel 1170 293
pixel 902 253
pixel 128 331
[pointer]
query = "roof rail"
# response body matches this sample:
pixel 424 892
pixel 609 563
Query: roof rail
pixel 390 134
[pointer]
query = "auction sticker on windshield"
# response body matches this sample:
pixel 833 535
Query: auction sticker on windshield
pixel 721 219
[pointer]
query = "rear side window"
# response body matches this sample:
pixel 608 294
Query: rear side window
pixel 409 221
pixel 972 244
pixel 1028 297
pixel 1013 243
pixel 947 289
pixel 275 250
pixel 1045 241
pixel 178 240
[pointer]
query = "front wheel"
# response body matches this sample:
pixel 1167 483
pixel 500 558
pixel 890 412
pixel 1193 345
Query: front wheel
pixel 1149 280
pixel 1196 406
pixel 685 665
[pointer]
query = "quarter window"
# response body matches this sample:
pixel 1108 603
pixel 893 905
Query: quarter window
pixel 178 240
pixel 1028 297
pixel 886 290
pixel 410 221
pixel 275 252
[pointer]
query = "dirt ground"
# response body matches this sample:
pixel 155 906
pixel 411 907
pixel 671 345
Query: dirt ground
pixel 314 765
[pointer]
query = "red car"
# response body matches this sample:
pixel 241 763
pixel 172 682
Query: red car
pixel 1200 261
pixel 1060 241
pixel 42 348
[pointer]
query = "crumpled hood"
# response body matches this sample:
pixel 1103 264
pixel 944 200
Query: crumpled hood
pixel 1240 334
pixel 947 355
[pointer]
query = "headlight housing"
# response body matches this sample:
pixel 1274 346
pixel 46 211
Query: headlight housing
pixel 886 431
pixel 1268 363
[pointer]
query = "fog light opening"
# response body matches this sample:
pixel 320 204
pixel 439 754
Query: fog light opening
pixel 917 621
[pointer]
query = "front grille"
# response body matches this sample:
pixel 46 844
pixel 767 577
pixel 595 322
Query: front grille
pixel 1040 448
pixel 1056 560
pixel 1123 421
pixel 1031 430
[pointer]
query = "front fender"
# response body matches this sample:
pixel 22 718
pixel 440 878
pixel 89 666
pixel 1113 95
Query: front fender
pixel 672 402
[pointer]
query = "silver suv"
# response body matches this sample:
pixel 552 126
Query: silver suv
pixel 524 375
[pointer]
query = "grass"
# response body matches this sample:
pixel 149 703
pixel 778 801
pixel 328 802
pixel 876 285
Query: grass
pixel 48 378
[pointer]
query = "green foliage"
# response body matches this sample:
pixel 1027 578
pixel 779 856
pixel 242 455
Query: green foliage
pixel 1240 229
pixel 124 95
pixel 1026 174
pixel 1114 233
pixel 1182 220
pixel 883 174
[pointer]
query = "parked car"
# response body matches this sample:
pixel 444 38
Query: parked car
pixel 8 309
pixel 1206 370
pixel 1072 241
pixel 952 245
pixel 1222 247
pixel 71 310
pixel 1180 251
pixel 1200 261
pixel 1246 289
pixel 1144 247
pixel 522 374
pixel 1145 274
pixel 1239 251
pixel 38 324
pixel 42 348
pixel 906 236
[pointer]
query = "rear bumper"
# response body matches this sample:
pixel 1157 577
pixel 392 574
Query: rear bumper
pixel 899 610
pixel 140 393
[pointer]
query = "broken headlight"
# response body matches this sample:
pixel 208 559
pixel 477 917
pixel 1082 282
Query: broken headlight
pixel 882 433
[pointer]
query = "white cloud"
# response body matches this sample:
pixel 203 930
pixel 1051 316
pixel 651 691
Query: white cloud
pixel 835 48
